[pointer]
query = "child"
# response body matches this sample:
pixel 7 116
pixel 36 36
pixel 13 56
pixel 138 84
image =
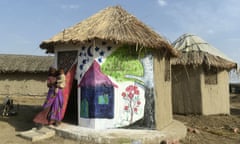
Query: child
pixel 51 80
pixel 60 80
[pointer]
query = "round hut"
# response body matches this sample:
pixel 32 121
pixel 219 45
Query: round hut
pixel 127 54
pixel 200 79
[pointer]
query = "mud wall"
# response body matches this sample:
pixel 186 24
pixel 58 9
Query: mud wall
pixel 23 84
pixel 215 97
pixel 163 101
pixel 186 91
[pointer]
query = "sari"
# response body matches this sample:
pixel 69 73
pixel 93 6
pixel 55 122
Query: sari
pixel 52 108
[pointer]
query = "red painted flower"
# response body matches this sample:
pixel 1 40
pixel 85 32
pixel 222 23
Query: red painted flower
pixel 127 88
pixel 135 109
pixel 124 94
pixel 130 88
pixel 135 88
pixel 126 108
pixel 130 95
pixel 136 92
pixel 138 102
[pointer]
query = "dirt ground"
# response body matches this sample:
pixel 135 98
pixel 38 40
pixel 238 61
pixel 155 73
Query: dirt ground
pixel 27 108
pixel 216 129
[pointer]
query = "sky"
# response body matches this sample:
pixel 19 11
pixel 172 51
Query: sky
pixel 25 24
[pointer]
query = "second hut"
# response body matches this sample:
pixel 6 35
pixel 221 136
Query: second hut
pixel 200 79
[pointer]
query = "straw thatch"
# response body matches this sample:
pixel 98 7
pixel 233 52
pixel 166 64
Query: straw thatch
pixel 25 63
pixel 195 51
pixel 112 23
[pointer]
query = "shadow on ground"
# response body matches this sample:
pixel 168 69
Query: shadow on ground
pixel 23 120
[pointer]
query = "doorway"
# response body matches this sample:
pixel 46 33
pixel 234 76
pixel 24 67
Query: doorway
pixel 71 114
pixel 65 60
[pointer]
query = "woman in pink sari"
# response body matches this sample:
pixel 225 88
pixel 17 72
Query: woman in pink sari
pixel 52 107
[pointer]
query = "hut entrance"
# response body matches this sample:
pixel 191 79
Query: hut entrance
pixel 66 61
pixel 71 115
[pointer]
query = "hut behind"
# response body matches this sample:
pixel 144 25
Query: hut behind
pixel 24 75
pixel 200 79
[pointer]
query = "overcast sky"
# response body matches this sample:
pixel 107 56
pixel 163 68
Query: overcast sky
pixel 25 23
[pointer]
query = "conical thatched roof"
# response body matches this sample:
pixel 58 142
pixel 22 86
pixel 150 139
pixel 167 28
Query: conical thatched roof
pixel 25 63
pixel 195 51
pixel 112 23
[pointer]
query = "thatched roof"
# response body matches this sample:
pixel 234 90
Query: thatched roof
pixel 112 23
pixel 195 51
pixel 25 63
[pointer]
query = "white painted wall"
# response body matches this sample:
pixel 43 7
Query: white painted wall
pixel 121 117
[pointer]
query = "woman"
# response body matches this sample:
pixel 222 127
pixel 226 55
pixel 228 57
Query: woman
pixel 52 107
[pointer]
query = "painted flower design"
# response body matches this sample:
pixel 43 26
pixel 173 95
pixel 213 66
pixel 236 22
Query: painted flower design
pixel 138 102
pixel 135 109
pixel 123 94
pixel 131 96
pixel 126 108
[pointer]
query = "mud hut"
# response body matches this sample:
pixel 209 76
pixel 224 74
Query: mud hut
pixel 200 78
pixel 24 75
pixel 131 54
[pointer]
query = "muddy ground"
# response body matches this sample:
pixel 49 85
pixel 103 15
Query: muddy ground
pixel 216 129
